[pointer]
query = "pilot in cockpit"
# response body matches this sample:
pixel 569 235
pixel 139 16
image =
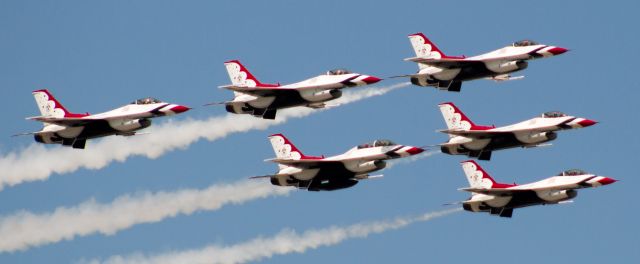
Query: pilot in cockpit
pixel 338 72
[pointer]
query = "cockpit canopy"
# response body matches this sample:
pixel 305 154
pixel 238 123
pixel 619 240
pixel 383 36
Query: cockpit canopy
pixel 377 143
pixel 524 43
pixel 338 72
pixel 573 172
pixel 148 100
pixel 553 114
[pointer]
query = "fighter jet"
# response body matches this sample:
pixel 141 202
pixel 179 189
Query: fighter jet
pixel 467 138
pixel 448 72
pixel 264 100
pixel 71 129
pixel 487 195
pixel 332 173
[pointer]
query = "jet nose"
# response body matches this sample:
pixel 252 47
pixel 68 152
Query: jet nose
pixel 414 150
pixel 606 181
pixel 179 109
pixel 557 50
pixel 371 79
pixel 587 122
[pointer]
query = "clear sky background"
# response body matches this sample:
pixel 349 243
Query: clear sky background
pixel 97 55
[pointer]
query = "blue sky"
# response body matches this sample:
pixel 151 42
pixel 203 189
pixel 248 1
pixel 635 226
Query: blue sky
pixel 95 56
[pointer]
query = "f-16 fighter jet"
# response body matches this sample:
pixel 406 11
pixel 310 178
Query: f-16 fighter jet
pixel 332 173
pixel 264 100
pixel 448 72
pixel 70 129
pixel 467 138
pixel 500 198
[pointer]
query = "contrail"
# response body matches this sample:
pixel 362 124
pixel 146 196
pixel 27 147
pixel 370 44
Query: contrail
pixel 37 162
pixel 25 229
pixel 285 242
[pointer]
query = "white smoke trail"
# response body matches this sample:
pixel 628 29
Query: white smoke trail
pixel 37 162
pixel 285 242
pixel 25 229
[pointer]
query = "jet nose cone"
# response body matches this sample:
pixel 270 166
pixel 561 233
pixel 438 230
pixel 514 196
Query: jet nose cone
pixel 606 180
pixel 557 51
pixel 587 122
pixel 415 150
pixel 179 109
pixel 371 79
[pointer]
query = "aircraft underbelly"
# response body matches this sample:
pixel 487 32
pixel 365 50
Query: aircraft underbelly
pixel 334 171
pixel 283 99
pixel 524 199
pixel 332 176
pixel 96 129
pixel 499 201
pixel 477 144
pixel 262 102
pixel 476 71
pixel 306 174
pixel 447 74
pixel 70 132
pixel 504 142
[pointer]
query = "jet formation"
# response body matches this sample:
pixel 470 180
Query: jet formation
pixel 320 173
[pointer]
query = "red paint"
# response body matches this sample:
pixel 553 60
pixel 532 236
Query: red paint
pixel 557 50
pixel 465 118
pixel 180 109
pixel 605 181
pixel 250 76
pixel 59 105
pixel 587 122
pixel 415 150
pixel 371 80
pixel 486 175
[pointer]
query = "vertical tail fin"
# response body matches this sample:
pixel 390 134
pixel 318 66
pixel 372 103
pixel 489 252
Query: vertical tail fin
pixel 241 76
pixel 478 177
pixel 424 47
pixel 456 119
pixel 284 149
pixel 50 107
